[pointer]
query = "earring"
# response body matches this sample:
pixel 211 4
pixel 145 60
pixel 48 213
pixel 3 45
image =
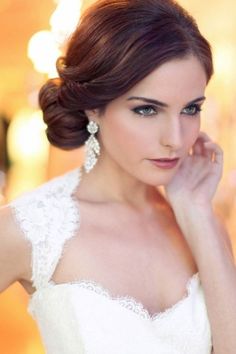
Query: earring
pixel 92 147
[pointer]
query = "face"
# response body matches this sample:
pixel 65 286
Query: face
pixel 159 118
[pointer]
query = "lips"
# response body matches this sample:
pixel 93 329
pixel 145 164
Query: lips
pixel 165 163
pixel 166 159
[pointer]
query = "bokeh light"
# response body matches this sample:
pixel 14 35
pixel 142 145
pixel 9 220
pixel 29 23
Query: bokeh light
pixel 43 52
pixel 26 137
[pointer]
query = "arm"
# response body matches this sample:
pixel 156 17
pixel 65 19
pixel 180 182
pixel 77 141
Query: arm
pixel 212 251
pixel 190 194
pixel 14 251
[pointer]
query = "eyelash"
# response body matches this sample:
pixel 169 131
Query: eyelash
pixel 137 110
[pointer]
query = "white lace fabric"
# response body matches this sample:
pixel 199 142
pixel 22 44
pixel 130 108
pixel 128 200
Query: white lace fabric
pixel 129 302
pixel 48 217
pixel 82 316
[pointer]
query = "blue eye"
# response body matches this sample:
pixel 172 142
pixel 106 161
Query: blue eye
pixel 145 110
pixel 192 110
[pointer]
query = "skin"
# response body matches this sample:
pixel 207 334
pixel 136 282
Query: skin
pixel 129 190
pixel 145 237
pixel 129 140
pixel 129 225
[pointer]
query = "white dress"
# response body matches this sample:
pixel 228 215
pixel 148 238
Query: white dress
pixel 82 317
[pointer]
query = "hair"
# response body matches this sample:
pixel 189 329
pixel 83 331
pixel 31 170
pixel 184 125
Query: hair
pixel 116 44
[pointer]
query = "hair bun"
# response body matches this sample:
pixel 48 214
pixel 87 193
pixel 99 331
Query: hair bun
pixel 66 127
pixel 116 45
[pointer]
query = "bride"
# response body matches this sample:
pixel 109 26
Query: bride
pixel 125 254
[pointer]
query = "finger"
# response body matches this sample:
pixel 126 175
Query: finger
pixel 208 152
pixel 197 148
pixel 215 151
pixel 219 155
pixel 208 142
pixel 204 136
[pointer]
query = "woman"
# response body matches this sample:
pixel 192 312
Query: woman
pixel 112 264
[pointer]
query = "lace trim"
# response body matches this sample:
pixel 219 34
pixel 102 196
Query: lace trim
pixel 129 302
pixel 48 217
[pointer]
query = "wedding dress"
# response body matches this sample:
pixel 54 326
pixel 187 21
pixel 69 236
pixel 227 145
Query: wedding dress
pixel 82 317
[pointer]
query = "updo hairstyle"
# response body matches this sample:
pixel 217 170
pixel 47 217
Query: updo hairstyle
pixel 116 44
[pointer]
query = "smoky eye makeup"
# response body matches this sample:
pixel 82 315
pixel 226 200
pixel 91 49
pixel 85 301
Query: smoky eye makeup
pixel 145 110
pixel 151 107
pixel 150 110
pixel 192 109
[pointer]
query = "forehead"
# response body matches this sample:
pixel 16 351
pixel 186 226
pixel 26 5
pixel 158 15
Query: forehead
pixel 179 79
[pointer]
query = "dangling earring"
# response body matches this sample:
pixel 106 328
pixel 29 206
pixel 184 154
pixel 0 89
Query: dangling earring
pixel 92 147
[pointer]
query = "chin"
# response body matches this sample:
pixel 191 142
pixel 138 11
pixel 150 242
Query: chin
pixel 158 176
pixel 158 182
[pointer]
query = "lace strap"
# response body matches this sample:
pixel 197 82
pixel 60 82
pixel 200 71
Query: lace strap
pixel 48 217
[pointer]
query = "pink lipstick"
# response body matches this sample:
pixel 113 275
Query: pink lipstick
pixel 165 163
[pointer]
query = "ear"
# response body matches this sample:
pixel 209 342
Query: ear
pixel 92 114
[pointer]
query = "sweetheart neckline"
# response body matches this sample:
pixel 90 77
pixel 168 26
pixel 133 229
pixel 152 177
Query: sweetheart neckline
pixel 102 290
pixel 126 301
pixel 129 302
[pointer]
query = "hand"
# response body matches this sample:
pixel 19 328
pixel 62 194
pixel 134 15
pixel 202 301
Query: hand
pixel 196 181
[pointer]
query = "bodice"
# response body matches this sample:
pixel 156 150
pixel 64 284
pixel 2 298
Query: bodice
pixel 82 316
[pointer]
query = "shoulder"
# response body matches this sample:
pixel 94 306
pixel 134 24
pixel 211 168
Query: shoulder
pixel 36 210
pixel 35 216
pixel 14 252
pixel 62 184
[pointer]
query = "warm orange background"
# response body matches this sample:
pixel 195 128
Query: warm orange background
pixel 19 20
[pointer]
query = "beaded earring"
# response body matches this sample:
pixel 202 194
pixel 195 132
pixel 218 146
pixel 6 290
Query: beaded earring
pixel 92 147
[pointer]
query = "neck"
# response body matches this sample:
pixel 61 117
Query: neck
pixel 108 182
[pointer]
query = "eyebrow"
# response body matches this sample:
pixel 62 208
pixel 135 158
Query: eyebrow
pixel 162 104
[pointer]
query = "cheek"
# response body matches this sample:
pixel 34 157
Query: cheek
pixel 119 132
pixel 191 132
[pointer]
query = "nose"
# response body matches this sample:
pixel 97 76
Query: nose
pixel 171 133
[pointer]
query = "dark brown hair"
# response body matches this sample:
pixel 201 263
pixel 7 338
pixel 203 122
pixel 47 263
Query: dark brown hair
pixel 117 44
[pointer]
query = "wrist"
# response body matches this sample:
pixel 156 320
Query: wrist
pixel 193 219
pixel 190 209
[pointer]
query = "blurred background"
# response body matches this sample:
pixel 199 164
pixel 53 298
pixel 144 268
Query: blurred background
pixel 32 36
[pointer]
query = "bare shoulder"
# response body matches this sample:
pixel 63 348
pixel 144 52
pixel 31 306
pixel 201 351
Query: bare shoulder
pixel 15 250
